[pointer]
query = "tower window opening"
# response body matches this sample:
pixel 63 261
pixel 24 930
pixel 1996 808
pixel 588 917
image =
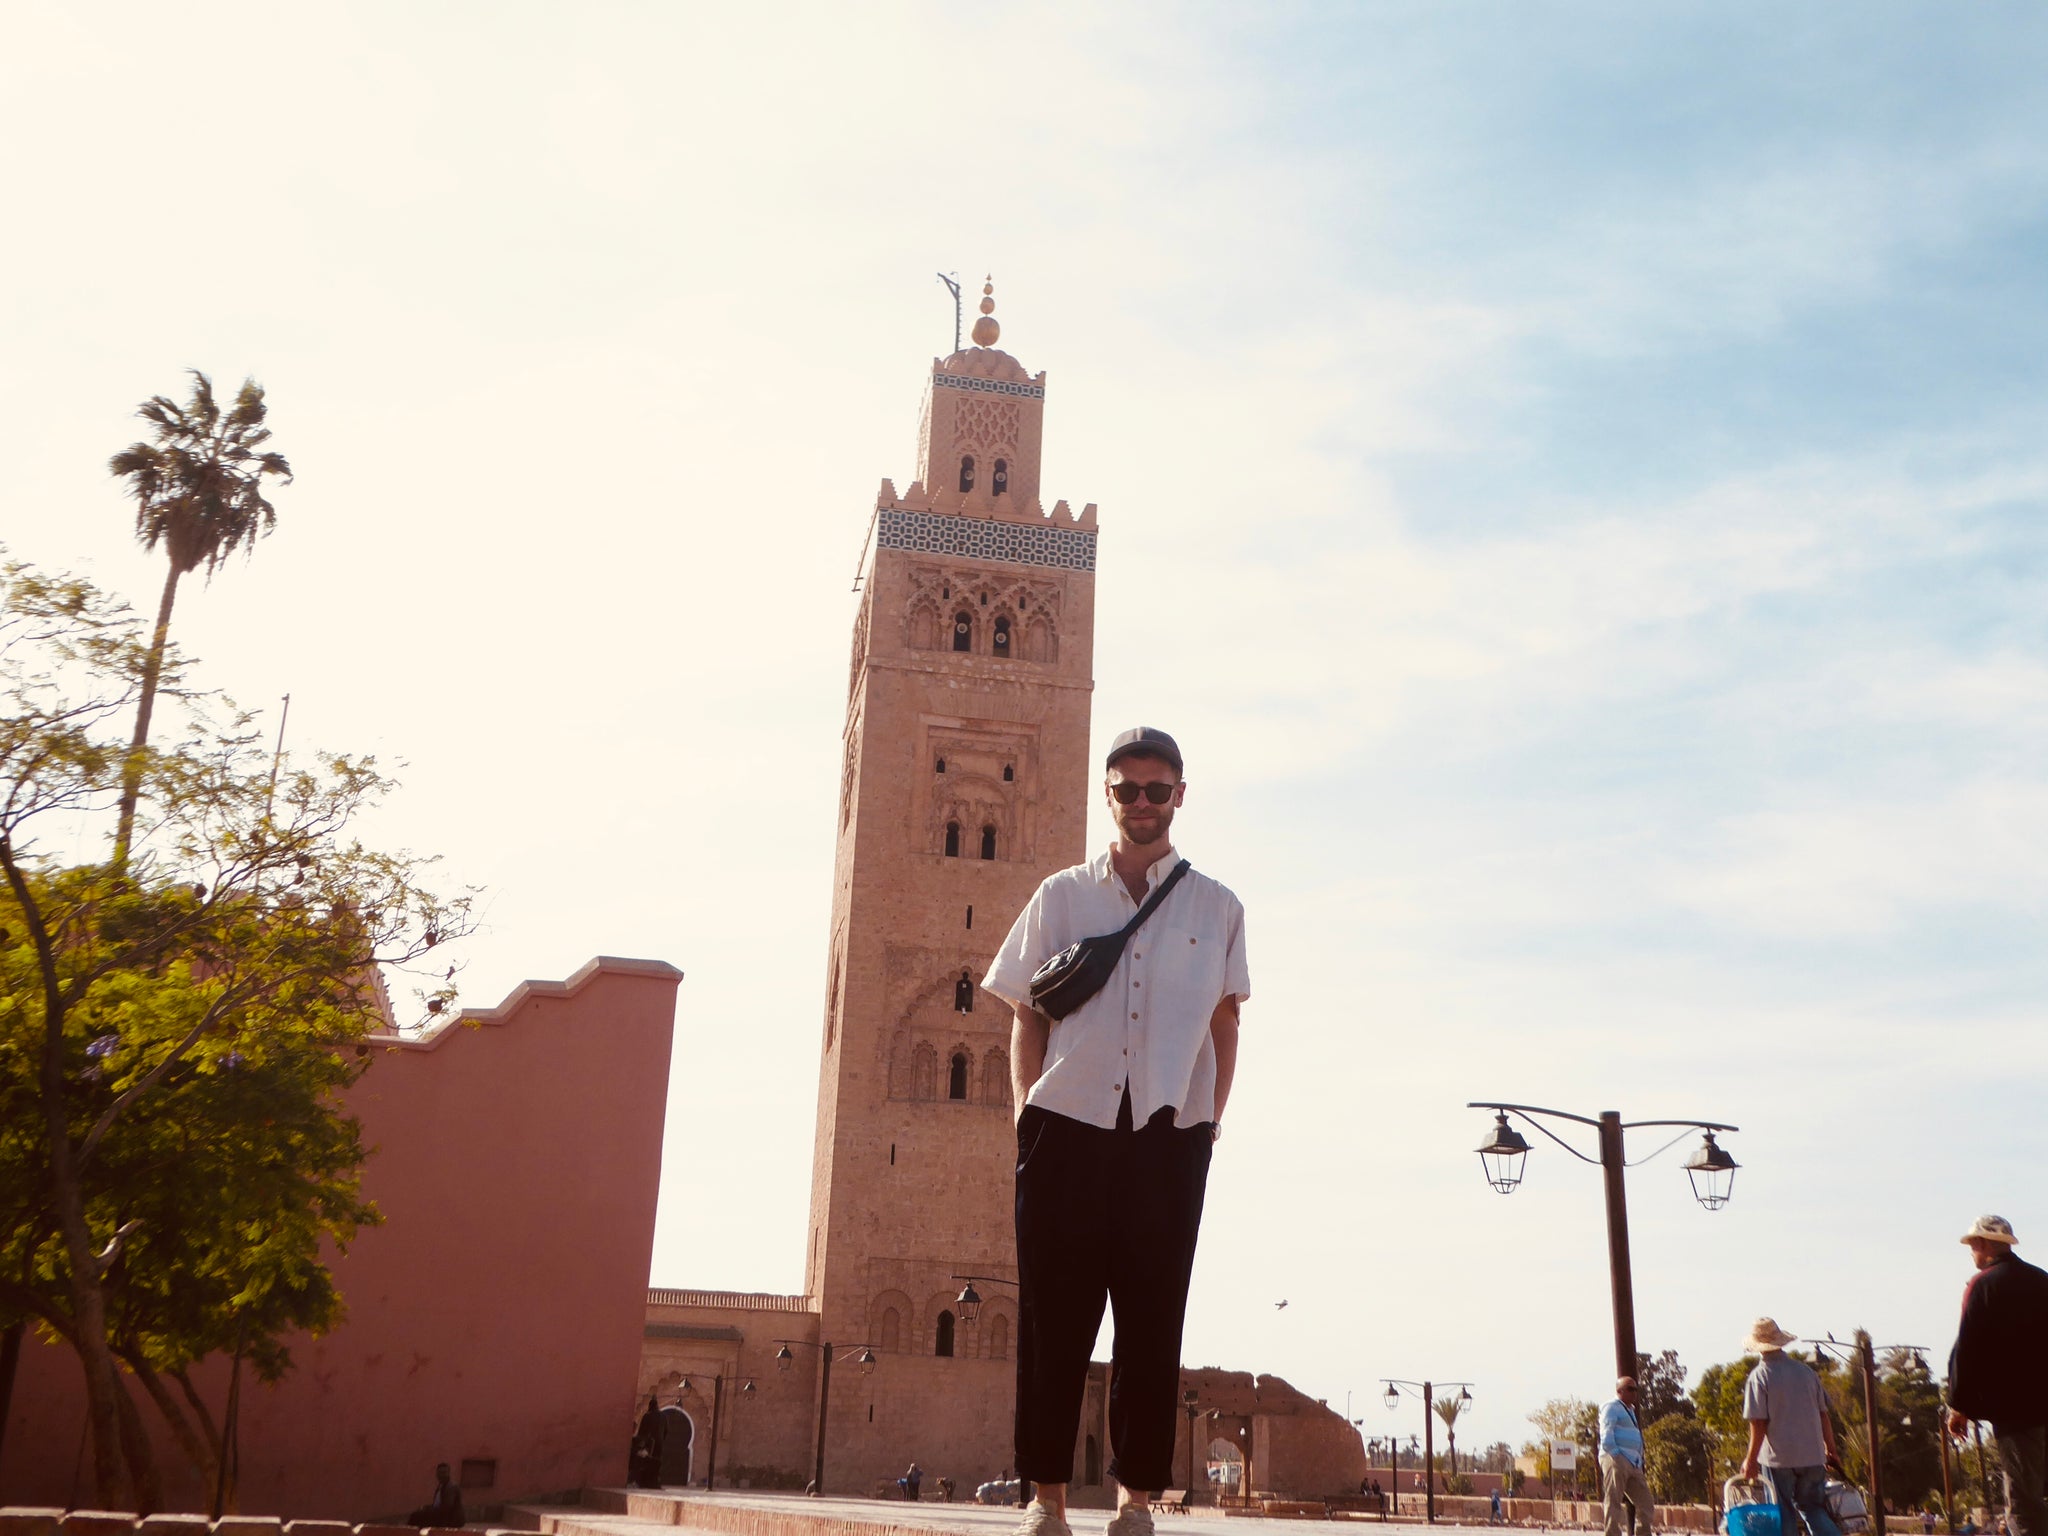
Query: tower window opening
pixel 988 842
pixel 956 1079
pixel 963 631
pixel 892 1154
pixel 1001 481
pixel 944 1344
pixel 963 1002
pixel 952 839
pixel 1009 773
pixel 1002 637
pixel 970 919
pixel 967 472
pixel 939 766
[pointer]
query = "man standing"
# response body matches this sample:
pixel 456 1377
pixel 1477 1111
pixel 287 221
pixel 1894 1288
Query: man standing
pixel 1621 1460
pixel 1118 1103
pixel 1998 1370
pixel 1790 1432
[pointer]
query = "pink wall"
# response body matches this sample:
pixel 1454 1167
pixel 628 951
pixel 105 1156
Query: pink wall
pixel 499 1311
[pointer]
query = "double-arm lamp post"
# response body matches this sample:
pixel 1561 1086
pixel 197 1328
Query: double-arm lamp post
pixel 784 1360
pixel 746 1390
pixel 1864 1356
pixel 1427 1389
pixel 1710 1168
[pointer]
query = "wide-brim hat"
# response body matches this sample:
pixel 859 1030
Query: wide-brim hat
pixel 1765 1333
pixel 1991 1229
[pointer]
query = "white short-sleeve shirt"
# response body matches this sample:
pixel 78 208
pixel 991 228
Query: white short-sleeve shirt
pixel 1149 1025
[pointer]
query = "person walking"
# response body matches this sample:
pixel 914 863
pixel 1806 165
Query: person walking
pixel 1120 1099
pixel 1622 1475
pixel 1791 1435
pixel 1998 1369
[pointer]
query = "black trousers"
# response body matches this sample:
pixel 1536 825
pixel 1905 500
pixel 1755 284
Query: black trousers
pixel 1104 1216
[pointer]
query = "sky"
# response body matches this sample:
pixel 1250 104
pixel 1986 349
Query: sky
pixel 1571 476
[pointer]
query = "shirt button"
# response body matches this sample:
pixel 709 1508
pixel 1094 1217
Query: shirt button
pixel 1137 983
pixel 1134 1015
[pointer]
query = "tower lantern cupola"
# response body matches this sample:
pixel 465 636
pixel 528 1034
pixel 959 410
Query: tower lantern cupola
pixel 984 419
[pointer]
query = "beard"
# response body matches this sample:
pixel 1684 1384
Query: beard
pixel 1146 832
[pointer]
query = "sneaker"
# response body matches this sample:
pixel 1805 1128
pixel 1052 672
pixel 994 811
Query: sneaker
pixel 1039 1520
pixel 1131 1520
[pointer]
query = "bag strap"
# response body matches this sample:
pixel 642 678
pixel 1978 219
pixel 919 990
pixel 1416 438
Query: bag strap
pixel 1152 902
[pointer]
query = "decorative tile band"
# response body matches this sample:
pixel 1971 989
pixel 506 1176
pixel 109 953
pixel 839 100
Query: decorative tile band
pixel 988 386
pixel 1071 549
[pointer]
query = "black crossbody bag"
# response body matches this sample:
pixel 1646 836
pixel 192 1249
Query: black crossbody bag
pixel 1082 969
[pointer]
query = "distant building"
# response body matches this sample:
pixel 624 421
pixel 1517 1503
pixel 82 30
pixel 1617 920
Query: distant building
pixel 495 1319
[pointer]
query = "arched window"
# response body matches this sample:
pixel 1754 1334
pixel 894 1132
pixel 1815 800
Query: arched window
pixel 995 1078
pixel 1001 483
pixel 999 1339
pixel 892 1329
pixel 967 472
pixel 952 839
pixel 963 994
pixel 924 1072
pixel 956 1079
pixel 963 632
pixel 945 1340
pixel 1009 772
pixel 1001 638
pixel 939 766
pixel 988 842
pixel 1091 1462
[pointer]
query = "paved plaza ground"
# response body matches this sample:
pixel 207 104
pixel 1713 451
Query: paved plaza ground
pixel 788 1514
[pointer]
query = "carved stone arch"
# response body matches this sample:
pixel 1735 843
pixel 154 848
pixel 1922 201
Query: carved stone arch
pixel 972 801
pixel 1041 639
pixel 996 1331
pixel 924 1071
pixel 995 1078
pixel 860 644
pixel 923 623
pixel 956 1070
pixel 879 1317
pixel 1005 630
pixel 942 1325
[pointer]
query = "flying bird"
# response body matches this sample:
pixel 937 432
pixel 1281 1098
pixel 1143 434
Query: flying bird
pixel 1279 1306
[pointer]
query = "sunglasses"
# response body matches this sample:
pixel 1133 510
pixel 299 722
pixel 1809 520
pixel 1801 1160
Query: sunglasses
pixel 1127 793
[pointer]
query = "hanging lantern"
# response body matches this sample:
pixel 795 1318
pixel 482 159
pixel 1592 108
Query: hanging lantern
pixel 969 1302
pixel 784 1359
pixel 1712 1172
pixel 1501 1155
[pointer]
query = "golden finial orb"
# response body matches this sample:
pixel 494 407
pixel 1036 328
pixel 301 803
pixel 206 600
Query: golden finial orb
pixel 986 330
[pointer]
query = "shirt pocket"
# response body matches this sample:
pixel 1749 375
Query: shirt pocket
pixel 1189 972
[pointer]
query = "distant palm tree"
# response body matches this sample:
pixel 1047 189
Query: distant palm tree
pixel 1448 1409
pixel 198 489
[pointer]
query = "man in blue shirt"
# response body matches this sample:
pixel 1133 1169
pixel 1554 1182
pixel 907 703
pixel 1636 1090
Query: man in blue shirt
pixel 1621 1460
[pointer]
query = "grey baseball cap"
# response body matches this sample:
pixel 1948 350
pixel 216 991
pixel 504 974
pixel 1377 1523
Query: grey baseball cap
pixel 1148 739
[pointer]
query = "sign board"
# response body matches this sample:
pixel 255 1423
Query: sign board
pixel 1564 1456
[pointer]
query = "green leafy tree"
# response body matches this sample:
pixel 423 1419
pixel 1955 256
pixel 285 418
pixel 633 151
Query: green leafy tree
pixel 1660 1387
pixel 1567 1418
pixel 1679 1451
pixel 198 491
pixel 174 1027
pixel 1908 1403
pixel 1718 1401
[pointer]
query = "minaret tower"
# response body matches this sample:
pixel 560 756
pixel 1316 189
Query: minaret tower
pixel 965 782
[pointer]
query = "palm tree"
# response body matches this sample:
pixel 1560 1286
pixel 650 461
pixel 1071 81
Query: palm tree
pixel 198 490
pixel 1448 1409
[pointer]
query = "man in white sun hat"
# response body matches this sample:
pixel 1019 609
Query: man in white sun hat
pixel 1791 1435
pixel 1998 1370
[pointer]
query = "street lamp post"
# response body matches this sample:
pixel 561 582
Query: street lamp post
pixel 1710 1168
pixel 784 1359
pixel 1188 1403
pixel 1395 1388
pixel 746 1390
pixel 1864 1355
